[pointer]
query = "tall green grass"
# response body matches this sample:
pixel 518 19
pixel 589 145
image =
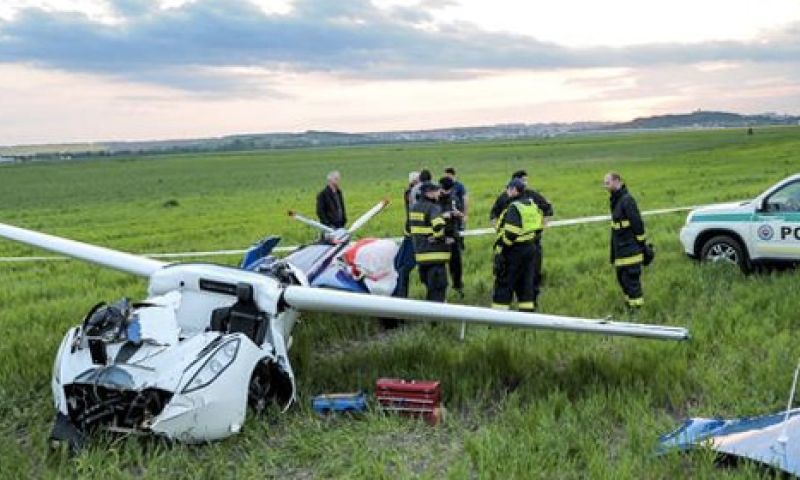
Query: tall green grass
pixel 520 404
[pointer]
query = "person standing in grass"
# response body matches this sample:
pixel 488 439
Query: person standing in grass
pixel 431 248
pixel 415 195
pixel 330 203
pixel 404 261
pixel 514 250
pixel 501 204
pixel 461 197
pixel 452 231
pixel 627 240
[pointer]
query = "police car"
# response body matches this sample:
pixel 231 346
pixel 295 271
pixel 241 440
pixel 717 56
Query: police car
pixel 765 230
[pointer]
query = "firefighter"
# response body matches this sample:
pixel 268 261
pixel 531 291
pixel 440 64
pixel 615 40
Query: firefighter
pixel 515 250
pixel 546 207
pixel 404 261
pixel 452 231
pixel 628 240
pixel 431 248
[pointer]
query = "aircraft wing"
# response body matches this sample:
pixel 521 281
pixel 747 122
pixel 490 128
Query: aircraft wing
pixel 125 262
pixel 334 301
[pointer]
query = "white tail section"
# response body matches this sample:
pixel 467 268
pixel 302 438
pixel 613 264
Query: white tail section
pixel 106 257
pixel 324 300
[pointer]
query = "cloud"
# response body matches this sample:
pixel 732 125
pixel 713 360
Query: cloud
pixel 181 47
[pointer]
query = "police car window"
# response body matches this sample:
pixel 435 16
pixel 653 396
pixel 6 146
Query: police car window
pixel 787 199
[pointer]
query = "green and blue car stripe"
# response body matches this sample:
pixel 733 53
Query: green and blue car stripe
pixel 744 217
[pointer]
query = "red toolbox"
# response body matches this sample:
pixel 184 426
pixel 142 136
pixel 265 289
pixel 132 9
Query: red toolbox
pixel 410 397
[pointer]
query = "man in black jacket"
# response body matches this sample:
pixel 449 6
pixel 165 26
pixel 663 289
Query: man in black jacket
pixel 404 260
pixel 330 203
pixel 431 247
pixel 515 251
pixel 627 240
pixel 452 230
pixel 503 201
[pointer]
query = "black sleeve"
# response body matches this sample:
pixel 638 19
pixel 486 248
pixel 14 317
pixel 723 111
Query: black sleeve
pixel 511 229
pixel 344 210
pixel 498 207
pixel 637 224
pixel 541 202
pixel 322 213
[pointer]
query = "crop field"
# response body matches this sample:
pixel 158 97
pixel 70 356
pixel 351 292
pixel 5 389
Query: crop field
pixel 529 404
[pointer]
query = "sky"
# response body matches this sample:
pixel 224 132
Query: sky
pixel 99 70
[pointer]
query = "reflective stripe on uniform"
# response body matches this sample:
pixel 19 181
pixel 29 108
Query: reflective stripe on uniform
pixel 513 229
pixel 438 221
pixel 500 306
pixel 416 216
pixel 421 230
pixel 432 257
pixel 625 261
pixel 526 305
pixel 620 224
pixel 527 237
pixel 641 238
pixel 636 302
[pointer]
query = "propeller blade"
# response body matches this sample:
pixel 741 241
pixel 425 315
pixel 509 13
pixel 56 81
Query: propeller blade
pixel 125 262
pixel 368 215
pixel 310 222
pixel 333 301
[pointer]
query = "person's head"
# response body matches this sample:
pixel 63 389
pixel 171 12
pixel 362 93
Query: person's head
pixel 515 188
pixel 447 184
pixel 430 190
pixel 612 181
pixel 425 175
pixel 413 178
pixel 450 172
pixel 521 175
pixel 333 178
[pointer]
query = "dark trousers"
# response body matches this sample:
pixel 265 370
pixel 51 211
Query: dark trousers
pixel 515 276
pixel 629 278
pixel 403 263
pixel 456 268
pixel 434 277
pixel 537 268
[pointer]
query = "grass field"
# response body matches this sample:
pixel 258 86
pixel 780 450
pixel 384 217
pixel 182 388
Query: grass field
pixel 523 405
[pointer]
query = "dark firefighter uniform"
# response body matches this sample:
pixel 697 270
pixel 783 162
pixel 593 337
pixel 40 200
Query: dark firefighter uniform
pixel 515 251
pixel 627 245
pixel 404 260
pixel 452 230
pixel 502 202
pixel 431 252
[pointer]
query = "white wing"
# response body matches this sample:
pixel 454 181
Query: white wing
pixel 334 301
pixel 324 300
pixel 106 257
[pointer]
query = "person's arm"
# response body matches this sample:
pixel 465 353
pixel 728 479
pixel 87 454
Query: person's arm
pixel 322 211
pixel 637 224
pixel 545 206
pixel 438 224
pixel 512 227
pixel 497 208
pixel 344 210
pixel 465 199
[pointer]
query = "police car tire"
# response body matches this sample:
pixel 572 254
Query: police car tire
pixel 726 240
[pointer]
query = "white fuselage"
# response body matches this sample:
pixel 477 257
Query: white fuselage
pixel 204 373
